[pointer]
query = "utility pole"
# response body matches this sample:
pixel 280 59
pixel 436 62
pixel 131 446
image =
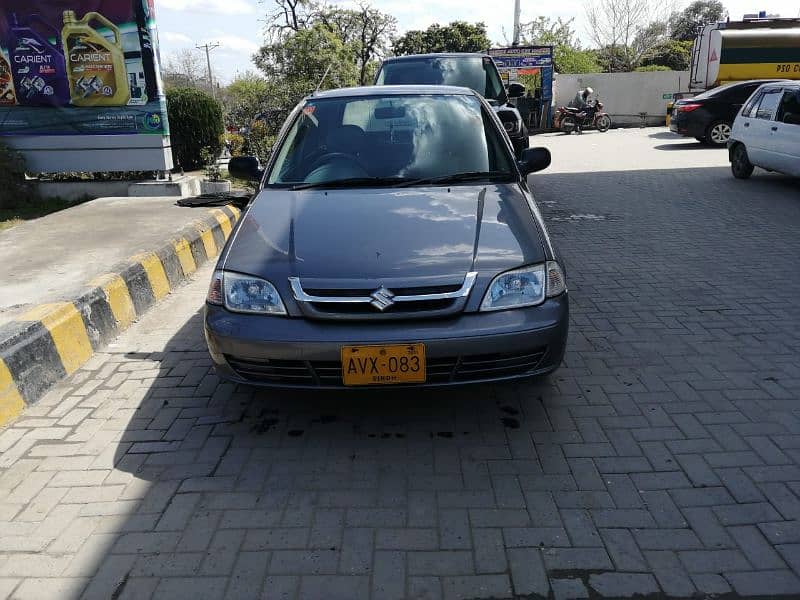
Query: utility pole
pixel 208 48
pixel 516 23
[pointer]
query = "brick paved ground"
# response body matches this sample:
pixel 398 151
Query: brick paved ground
pixel 664 458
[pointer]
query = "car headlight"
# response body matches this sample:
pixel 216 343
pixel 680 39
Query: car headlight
pixel 528 286
pixel 245 294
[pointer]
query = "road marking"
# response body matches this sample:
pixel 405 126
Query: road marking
pixel 68 331
pixel 184 252
pixel 118 297
pixel 11 402
pixel 223 220
pixel 208 239
pixel 155 274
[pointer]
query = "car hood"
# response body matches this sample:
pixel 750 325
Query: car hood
pixel 430 235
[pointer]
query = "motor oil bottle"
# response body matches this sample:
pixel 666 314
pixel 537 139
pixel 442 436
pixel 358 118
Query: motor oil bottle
pixel 95 65
pixel 37 66
pixel 7 96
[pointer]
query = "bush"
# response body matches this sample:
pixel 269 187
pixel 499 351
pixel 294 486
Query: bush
pixel 15 190
pixel 651 68
pixel 235 143
pixel 195 122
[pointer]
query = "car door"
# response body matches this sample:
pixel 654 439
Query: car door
pixel 735 98
pixel 785 133
pixel 759 128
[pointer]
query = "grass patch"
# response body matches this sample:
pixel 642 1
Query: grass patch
pixel 33 209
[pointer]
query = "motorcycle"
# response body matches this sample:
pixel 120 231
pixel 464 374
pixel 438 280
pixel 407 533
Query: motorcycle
pixel 569 119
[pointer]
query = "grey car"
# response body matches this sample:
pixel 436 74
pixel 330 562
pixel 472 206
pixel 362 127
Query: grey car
pixel 393 241
pixel 473 70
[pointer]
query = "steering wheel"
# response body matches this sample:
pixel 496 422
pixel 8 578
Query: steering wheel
pixel 332 156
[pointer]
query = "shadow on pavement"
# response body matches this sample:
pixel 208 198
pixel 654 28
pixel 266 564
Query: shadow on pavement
pixel 247 493
pixel 666 135
pixel 683 145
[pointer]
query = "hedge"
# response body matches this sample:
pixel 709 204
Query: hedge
pixel 195 122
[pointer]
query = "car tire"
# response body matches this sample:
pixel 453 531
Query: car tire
pixel 718 134
pixel 741 167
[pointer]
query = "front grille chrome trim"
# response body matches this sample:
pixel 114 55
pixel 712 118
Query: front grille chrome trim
pixel 301 296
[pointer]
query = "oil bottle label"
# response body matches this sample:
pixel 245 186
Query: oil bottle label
pixel 92 68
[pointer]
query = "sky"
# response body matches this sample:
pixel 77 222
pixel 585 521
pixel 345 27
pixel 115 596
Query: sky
pixel 238 25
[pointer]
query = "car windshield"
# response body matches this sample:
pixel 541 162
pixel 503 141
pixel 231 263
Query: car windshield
pixel 391 140
pixel 474 72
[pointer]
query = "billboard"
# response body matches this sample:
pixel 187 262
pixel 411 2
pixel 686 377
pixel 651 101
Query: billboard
pixel 83 75
pixel 529 60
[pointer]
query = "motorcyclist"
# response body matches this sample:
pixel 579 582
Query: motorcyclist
pixel 581 99
pixel 581 102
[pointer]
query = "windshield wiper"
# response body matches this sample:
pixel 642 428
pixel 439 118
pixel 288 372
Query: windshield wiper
pixel 459 177
pixel 352 182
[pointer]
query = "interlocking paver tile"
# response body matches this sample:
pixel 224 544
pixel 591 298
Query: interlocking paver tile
pixel 663 458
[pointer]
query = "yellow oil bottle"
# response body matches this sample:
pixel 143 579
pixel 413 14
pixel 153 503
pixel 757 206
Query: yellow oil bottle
pixel 95 64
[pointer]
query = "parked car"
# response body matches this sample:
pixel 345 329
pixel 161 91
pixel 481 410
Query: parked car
pixel 393 240
pixel 474 71
pixel 709 116
pixel 766 132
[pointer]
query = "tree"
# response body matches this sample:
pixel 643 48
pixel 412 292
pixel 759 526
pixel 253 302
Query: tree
pixel 568 55
pixel 627 26
pixel 458 36
pixel 303 58
pixel 245 98
pixel 670 53
pixel 366 30
pixel 684 24
pixel 185 68
pixel 288 16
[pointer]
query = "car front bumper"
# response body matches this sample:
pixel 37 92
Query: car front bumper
pixel 468 348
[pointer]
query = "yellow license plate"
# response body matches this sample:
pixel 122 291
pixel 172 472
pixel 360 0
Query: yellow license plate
pixel 380 365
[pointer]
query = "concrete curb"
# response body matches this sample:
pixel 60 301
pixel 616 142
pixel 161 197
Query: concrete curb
pixel 51 341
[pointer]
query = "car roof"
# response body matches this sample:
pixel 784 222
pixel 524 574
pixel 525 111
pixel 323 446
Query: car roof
pixel 435 55
pixel 395 90
pixel 782 84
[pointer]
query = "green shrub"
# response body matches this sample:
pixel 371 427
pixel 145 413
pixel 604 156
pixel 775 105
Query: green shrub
pixel 235 143
pixel 195 122
pixel 15 190
pixel 652 68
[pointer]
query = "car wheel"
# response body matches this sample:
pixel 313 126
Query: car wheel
pixel 568 124
pixel 741 166
pixel 718 133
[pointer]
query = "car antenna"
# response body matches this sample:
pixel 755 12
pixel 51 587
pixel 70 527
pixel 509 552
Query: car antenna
pixel 324 75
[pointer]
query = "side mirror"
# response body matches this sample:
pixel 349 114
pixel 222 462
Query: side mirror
pixel 533 160
pixel 516 90
pixel 245 167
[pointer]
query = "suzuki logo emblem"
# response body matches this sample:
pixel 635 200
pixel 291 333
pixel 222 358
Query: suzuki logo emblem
pixel 382 298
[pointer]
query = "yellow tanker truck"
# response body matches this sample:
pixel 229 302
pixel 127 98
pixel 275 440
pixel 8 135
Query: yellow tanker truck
pixel 754 48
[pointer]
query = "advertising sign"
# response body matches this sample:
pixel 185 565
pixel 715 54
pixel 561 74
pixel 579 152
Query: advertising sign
pixel 81 68
pixel 529 60
pixel 522 57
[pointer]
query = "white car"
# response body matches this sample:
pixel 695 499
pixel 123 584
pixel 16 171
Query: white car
pixel 766 132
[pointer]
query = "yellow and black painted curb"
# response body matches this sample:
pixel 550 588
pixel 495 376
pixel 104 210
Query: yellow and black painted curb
pixel 51 341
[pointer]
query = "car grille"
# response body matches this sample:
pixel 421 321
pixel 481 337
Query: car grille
pixel 454 369
pixel 399 302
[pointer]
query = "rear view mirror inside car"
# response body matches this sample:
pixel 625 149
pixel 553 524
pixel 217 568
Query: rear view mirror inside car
pixel 390 112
